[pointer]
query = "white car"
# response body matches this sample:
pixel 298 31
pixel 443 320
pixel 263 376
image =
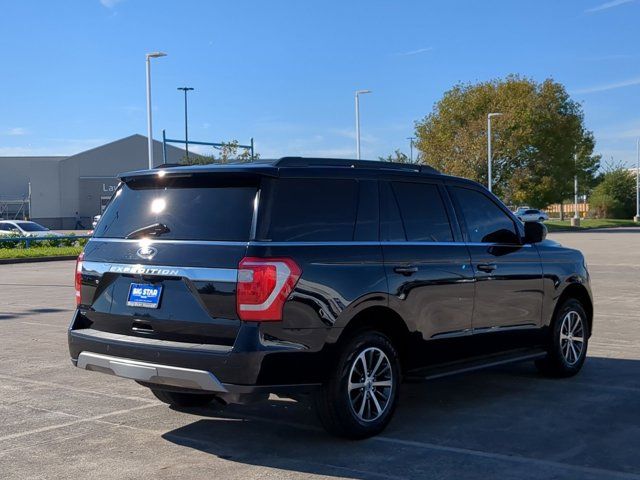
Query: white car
pixel 531 215
pixel 96 219
pixel 26 229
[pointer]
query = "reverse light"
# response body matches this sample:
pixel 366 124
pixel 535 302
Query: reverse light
pixel 78 278
pixel 264 284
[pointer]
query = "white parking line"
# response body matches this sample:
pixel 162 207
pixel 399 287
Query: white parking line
pixel 44 325
pixel 78 390
pixel 75 422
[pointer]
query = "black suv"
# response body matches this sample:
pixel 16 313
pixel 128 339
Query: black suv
pixel 335 278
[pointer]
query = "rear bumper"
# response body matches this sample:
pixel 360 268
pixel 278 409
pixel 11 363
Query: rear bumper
pixel 252 365
pixel 151 372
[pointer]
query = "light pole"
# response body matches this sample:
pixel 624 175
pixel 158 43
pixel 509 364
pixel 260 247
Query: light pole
pixel 637 217
pixel 575 221
pixel 186 126
pixel 411 139
pixel 489 117
pixel 149 127
pixel 358 93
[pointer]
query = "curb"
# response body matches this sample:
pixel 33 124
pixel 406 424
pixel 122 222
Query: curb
pixel 5 261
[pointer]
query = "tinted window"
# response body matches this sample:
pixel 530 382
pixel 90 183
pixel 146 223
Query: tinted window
pixel 486 222
pixel 4 227
pixel 192 209
pixel 391 229
pixel 531 212
pixel 423 212
pixel 310 210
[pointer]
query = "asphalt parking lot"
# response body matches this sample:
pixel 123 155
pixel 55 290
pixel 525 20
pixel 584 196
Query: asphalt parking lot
pixel 506 423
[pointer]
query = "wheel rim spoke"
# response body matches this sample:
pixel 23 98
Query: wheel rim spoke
pixel 382 383
pixel 377 404
pixel 364 402
pixel 375 369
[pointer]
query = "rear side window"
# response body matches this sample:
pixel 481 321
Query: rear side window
pixel 310 210
pixel 191 208
pixel 486 222
pixel 423 212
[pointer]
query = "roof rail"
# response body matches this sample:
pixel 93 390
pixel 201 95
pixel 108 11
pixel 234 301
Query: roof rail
pixel 340 162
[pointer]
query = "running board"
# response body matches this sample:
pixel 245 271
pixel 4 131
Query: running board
pixel 455 368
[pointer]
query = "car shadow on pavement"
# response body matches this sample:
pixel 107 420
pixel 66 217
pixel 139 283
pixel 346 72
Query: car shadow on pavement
pixel 31 312
pixel 463 422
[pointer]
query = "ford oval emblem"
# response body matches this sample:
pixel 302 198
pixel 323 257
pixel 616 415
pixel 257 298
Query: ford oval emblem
pixel 147 252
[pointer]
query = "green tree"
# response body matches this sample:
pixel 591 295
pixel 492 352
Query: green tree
pixel 397 156
pixel 533 143
pixel 615 195
pixel 226 153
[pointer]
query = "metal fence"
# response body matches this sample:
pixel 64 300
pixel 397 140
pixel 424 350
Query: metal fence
pixel 29 240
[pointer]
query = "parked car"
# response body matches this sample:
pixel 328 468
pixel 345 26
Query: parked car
pixel 332 278
pixel 94 222
pixel 531 215
pixel 26 229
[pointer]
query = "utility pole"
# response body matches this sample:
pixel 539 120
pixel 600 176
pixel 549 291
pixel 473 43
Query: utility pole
pixel 411 139
pixel 489 179
pixel 186 122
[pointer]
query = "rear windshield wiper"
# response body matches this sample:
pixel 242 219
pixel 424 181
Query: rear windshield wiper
pixel 155 229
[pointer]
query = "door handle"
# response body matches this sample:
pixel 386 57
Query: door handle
pixel 406 270
pixel 487 267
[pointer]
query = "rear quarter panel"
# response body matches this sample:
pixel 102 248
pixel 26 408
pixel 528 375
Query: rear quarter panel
pixel 337 282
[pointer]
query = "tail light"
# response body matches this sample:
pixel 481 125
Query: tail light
pixel 78 281
pixel 264 284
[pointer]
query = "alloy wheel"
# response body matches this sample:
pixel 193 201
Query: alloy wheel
pixel 370 386
pixel 572 337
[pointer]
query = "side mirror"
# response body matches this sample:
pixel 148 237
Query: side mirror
pixel 534 232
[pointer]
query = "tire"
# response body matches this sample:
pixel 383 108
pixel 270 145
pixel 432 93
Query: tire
pixel 352 408
pixel 568 344
pixel 183 400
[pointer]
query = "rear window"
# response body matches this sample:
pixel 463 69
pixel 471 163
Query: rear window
pixel 191 208
pixel 309 210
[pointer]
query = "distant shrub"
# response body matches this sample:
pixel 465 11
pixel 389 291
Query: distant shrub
pixel 11 244
pixel 614 196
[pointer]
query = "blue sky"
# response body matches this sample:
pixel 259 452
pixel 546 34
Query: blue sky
pixel 284 72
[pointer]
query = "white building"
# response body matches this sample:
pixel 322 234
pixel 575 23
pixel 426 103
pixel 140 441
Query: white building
pixel 61 186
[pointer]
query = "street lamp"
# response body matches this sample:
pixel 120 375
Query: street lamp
pixel 575 221
pixel 186 127
pixel 411 139
pixel 358 93
pixel 637 217
pixel 489 116
pixel 149 128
